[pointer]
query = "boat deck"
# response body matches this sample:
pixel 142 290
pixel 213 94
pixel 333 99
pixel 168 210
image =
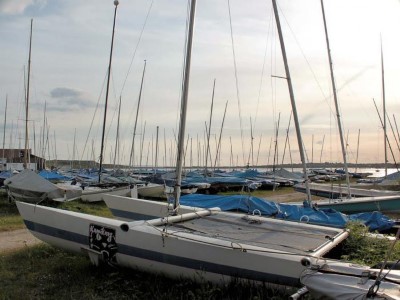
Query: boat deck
pixel 273 234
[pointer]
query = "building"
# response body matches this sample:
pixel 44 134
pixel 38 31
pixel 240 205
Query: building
pixel 14 159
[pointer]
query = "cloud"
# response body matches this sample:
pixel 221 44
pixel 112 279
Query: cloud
pixel 67 99
pixel 64 93
pixel 12 7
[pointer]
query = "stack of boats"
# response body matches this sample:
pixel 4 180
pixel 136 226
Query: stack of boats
pixel 85 184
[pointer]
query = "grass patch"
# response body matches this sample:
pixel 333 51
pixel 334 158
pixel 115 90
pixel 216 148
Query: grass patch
pixel 44 272
pixel 9 215
pixel 362 249
pixel 10 218
pixel 9 223
pixel 94 208
pixel 263 193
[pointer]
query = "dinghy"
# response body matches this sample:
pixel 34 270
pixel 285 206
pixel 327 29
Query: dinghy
pixel 30 187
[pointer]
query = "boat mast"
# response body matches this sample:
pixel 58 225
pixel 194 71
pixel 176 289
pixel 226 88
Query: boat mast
pixel 182 125
pixel 276 144
pixel 116 151
pixel 387 138
pixel 4 129
pixel 27 101
pixel 336 104
pixel 156 154
pixel 209 130
pixel 73 150
pixel 358 148
pixel 287 138
pixel 108 87
pixel 293 103
pixel 384 110
pixel 136 118
pixel 220 136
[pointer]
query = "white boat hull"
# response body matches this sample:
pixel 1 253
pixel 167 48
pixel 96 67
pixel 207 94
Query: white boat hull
pixel 153 190
pixel 131 208
pixel 173 251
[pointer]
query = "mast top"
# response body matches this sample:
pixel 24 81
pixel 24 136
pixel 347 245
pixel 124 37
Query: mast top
pixel 116 2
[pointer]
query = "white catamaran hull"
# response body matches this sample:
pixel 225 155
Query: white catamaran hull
pixel 131 208
pixel 351 282
pixel 174 251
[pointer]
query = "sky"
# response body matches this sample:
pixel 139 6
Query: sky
pixel 235 43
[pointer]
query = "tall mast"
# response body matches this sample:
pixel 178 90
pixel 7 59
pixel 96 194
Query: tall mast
pixel 276 143
pixel 293 103
pixel 73 150
pixel 384 110
pixel 287 138
pixel 336 104
pixel 182 125
pixel 220 136
pixel 358 147
pixel 209 130
pixel 27 101
pixel 108 87
pixel 116 151
pixel 136 118
pixel 5 124
pixel 156 154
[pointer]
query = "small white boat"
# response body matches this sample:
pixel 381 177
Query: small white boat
pixel 154 190
pixel 30 187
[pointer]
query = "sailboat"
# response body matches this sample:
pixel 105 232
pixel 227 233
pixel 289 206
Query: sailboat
pixel 202 244
pixel 354 200
pixel 28 185
pixel 95 192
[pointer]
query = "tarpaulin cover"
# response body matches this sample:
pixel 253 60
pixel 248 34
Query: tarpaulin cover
pixel 257 206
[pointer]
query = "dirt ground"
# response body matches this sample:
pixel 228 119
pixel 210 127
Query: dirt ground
pixel 11 240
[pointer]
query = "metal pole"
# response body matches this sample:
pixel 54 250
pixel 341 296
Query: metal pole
pixel 182 126
pixel 293 103
pixel 108 87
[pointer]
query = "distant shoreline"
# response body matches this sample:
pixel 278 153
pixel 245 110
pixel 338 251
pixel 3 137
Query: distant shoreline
pixel 92 164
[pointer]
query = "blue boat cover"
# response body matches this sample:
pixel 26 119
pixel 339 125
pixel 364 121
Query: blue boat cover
pixel 52 175
pixel 375 221
pixel 5 174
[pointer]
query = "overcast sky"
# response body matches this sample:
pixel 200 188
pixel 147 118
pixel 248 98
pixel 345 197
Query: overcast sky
pixel 234 43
